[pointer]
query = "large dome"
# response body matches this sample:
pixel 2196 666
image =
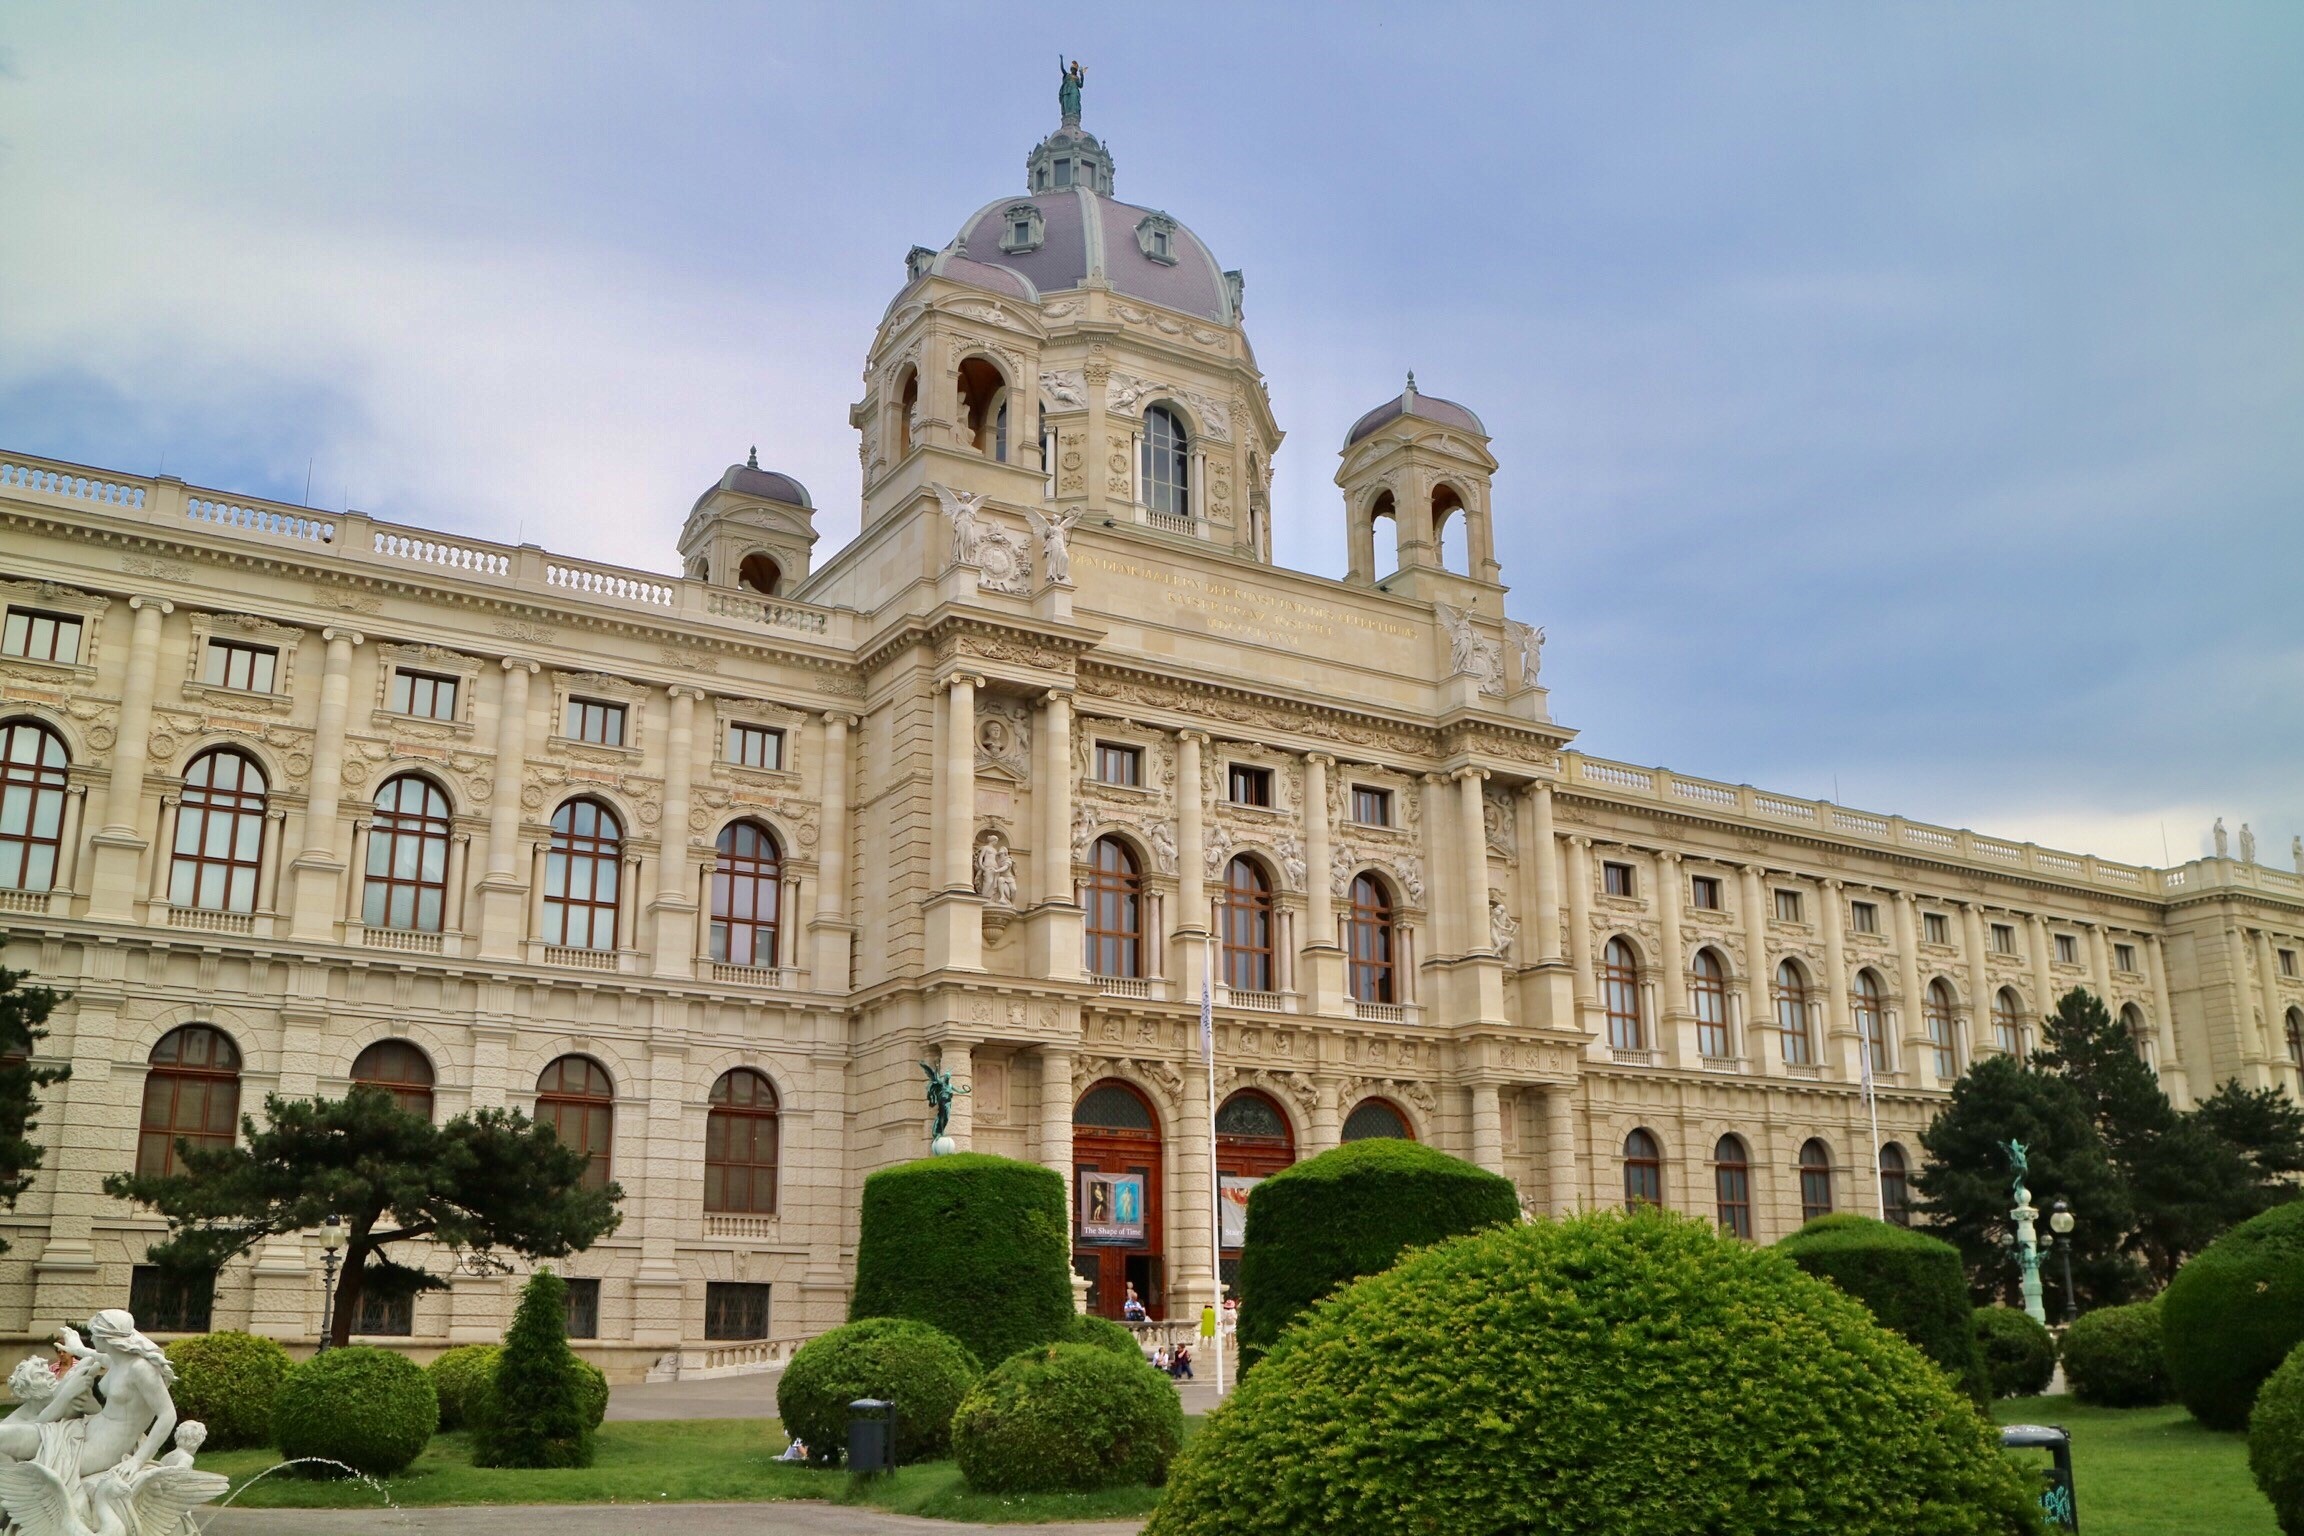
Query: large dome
pixel 1067 226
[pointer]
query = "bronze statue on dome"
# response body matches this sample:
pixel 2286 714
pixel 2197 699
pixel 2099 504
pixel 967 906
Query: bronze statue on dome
pixel 1073 77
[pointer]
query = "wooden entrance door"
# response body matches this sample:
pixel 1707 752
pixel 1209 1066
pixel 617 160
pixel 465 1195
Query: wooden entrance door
pixel 1114 1132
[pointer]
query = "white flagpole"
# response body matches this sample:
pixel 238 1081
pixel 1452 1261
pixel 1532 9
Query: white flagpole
pixel 1872 1107
pixel 1215 1182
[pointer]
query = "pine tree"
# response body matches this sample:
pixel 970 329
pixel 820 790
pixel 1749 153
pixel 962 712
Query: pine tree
pixel 23 1014
pixel 533 1414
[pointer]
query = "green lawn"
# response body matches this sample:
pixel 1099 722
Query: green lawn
pixel 2150 1471
pixel 674 1461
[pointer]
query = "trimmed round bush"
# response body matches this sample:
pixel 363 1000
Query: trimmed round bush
pixel 1914 1284
pixel 2112 1357
pixel 228 1381
pixel 592 1389
pixel 972 1244
pixel 2276 1442
pixel 1607 1373
pixel 2019 1354
pixel 1349 1212
pixel 459 1376
pixel 2233 1313
pixel 1102 1333
pixel 922 1370
pixel 1067 1418
pixel 369 1408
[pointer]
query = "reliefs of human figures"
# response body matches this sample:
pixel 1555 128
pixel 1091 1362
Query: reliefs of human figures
pixel 995 870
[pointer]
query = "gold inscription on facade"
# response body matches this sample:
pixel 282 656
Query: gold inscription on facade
pixel 1228 608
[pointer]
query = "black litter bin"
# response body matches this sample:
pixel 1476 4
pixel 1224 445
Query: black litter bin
pixel 871 1437
pixel 2056 1497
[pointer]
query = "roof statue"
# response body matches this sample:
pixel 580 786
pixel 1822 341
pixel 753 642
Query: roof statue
pixel 1068 90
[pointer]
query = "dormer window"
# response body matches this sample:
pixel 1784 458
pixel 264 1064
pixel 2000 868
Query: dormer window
pixel 917 262
pixel 1022 228
pixel 1156 238
pixel 1063 173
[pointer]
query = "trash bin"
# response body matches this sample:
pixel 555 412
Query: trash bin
pixel 2056 1498
pixel 871 1437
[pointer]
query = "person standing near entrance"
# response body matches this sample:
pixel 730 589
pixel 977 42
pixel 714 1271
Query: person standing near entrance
pixel 1132 1308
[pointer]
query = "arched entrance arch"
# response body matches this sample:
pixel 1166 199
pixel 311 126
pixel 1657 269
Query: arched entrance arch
pixel 1116 1187
pixel 1253 1142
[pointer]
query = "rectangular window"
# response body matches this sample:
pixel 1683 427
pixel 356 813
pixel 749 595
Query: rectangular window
pixel 1704 892
pixel 1864 916
pixel 1248 786
pixel 245 667
pixel 755 746
pixel 392 1317
pixel 583 1312
pixel 590 720
pixel 1787 906
pixel 1119 765
pixel 2067 949
pixel 2003 939
pixel 1371 807
pixel 1936 928
pixel 424 695
pixel 170 1303
pixel 1616 880
pixel 2124 957
pixel 40 636
pixel 2287 962
pixel 735 1311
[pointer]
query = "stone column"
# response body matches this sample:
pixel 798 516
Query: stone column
pixel 2100 964
pixel 672 912
pixel 1841 1042
pixel 1919 1056
pixel 1054 792
pixel 119 844
pixel 1055 1150
pixel 2043 982
pixel 1472 854
pixel 2282 1067
pixel 1488 1127
pixel 1979 979
pixel 1321 978
pixel 957 834
pixel 88 1125
pixel 1763 1042
pixel 2173 1075
pixel 1192 1233
pixel 1580 927
pixel 1674 1019
pixel 829 932
pixel 1324 1122
pixel 1543 856
pixel 958 1058
pixel 319 865
pixel 503 907
pixel 1560 1148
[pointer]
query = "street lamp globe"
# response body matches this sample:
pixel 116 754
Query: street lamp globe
pixel 2060 1218
pixel 332 1233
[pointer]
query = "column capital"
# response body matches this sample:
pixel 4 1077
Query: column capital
pixel 1057 695
pixel 1669 856
pixel 1198 738
pixel 685 691
pixel 143 600
pixel 1324 759
pixel 332 634
pixel 842 718
pixel 1579 840
pixel 1469 773
pixel 956 679
pixel 521 664
pixel 1537 789
pixel 1834 884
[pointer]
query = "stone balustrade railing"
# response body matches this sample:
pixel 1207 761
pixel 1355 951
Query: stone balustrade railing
pixel 357 539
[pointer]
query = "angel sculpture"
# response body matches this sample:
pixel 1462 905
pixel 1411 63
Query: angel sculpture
pixel 965 508
pixel 1055 559
pixel 1528 639
pixel 1463 640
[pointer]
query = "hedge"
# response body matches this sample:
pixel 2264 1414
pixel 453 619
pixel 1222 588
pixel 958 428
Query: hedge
pixel 1914 1284
pixel 1104 1334
pixel 459 1377
pixel 2113 1358
pixel 922 1370
pixel 592 1391
pixel 972 1244
pixel 1607 1373
pixel 2276 1442
pixel 228 1381
pixel 2019 1354
pixel 371 1409
pixel 2233 1313
pixel 1068 1418
pixel 1349 1212
pixel 535 1412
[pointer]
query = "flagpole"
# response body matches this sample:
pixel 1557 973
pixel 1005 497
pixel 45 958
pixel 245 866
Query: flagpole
pixel 1872 1107
pixel 1215 1181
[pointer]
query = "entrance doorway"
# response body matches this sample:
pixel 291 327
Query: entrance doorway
pixel 1116 1188
pixel 1252 1142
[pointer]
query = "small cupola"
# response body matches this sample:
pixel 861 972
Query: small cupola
pixel 1417 475
pixel 754 530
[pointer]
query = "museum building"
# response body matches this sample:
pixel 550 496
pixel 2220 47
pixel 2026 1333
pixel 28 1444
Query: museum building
pixel 702 868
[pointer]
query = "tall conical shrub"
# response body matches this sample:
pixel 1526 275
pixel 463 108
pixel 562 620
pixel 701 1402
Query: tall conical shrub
pixel 534 1413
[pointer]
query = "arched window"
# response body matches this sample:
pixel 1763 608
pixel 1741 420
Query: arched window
pixel 219 834
pixel 1114 1106
pixel 2007 1022
pixel 1643 1171
pixel 401 1070
pixel 1251 1119
pixel 2296 1035
pixel 1384 519
pixel 1167 463
pixel 2139 1032
pixel 1940 1045
pixel 1732 1186
pixel 34 771
pixel 407 856
pixel 1871 1018
pixel 740 1145
pixel 1368 942
pixel 1115 910
pixel 1815 1180
pixel 1708 989
pixel 907 401
pixel 582 875
pixel 759 572
pixel 984 403
pixel 1620 990
pixel 1247 917
pixel 1792 1014
pixel 1376 1119
pixel 1451 533
pixel 747 893
pixel 1895 1188
pixel 191 1095
pixel 576 1099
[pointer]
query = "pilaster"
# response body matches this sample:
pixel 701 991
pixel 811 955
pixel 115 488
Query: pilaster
pixel 117 848
pixel 319 867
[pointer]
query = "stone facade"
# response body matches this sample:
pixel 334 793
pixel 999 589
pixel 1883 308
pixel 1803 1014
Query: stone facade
pixel 929 727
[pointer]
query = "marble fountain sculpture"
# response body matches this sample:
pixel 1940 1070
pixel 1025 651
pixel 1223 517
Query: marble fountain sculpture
pixel 76 1464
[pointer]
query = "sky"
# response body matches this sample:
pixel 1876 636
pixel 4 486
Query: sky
pixel 1897 404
